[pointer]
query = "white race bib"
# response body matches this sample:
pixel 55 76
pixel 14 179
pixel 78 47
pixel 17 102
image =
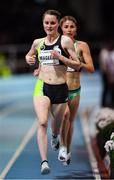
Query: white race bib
pixel 45 58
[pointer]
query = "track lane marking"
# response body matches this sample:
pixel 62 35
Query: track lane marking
pixel 24 142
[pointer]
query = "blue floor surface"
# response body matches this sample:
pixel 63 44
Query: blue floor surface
pixel 27 166
pixel 16 118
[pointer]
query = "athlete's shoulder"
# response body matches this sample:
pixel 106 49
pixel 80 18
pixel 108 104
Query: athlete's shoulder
pixel 66 41
pixel 82 44
pixel 37 42
pixel 66 37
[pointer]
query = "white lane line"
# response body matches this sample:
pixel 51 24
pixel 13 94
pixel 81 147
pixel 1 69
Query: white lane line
pixel 24 142
pixel 93 161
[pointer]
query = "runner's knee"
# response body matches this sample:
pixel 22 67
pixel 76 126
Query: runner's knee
pixel 42 124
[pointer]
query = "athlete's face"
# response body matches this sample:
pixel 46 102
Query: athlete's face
pixel 50 23
pixel 69 28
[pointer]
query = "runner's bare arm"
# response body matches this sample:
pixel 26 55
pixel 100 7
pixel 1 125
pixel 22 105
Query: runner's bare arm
pixel 88 61
pixel 68 46
pixel 31 55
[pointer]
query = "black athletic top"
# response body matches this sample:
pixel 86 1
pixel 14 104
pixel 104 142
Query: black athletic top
pixel 44 54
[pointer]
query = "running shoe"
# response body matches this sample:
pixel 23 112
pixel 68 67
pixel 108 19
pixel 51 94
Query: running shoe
pixel 45 167
pixel 67 162
pixel 62 154
pixel 55 142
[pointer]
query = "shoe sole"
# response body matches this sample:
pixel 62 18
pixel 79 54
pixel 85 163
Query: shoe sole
pixel 61 158
pixel 45 171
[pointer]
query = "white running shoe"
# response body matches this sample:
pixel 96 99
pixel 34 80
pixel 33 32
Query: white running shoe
pixel 67 162
pixel 55 142
pixel 62 153
pixel 45 167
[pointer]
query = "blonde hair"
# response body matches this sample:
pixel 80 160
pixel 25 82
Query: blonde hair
pixel 70 18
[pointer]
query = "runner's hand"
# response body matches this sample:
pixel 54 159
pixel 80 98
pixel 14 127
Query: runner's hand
pixel 30 59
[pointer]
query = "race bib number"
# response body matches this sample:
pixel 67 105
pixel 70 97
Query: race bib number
pixel 45 58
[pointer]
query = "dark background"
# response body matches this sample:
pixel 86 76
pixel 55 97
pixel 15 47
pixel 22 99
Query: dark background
pixel 21 23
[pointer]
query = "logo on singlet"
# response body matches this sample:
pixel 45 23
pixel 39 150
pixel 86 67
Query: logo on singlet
pixel 57 48
pixel 42 47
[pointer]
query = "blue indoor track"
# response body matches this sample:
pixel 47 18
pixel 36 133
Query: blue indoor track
pixel 19 155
